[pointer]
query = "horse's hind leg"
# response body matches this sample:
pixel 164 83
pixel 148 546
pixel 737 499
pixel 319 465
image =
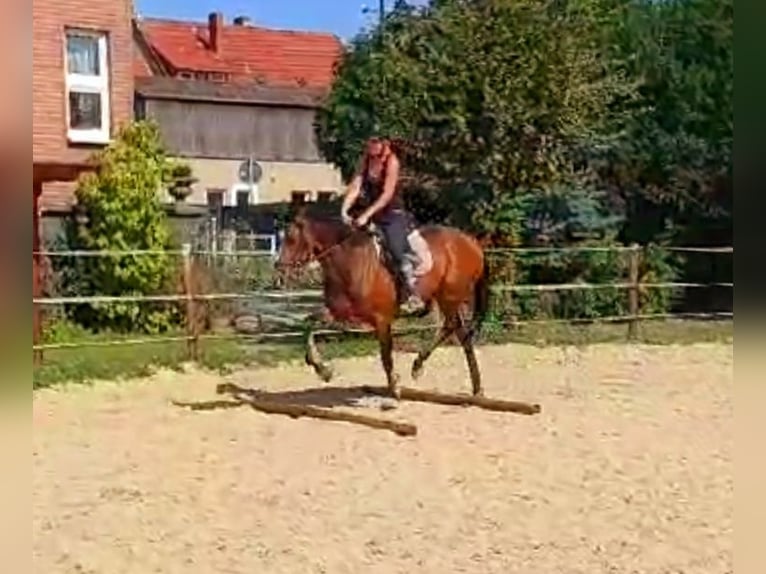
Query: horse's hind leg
pixel 448 328
pixel 314 357
pixel 465 334
pixel 386 341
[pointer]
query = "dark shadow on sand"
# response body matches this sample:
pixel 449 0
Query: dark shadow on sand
pixel 323 397
pixel 315 403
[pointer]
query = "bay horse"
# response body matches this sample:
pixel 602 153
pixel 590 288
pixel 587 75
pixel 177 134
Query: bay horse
pixel 360 289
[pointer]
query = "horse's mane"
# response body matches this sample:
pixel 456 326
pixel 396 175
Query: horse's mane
pixel 356 244
pixel 330 222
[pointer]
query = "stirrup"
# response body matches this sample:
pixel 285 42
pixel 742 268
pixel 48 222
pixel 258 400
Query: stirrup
pixel 413 304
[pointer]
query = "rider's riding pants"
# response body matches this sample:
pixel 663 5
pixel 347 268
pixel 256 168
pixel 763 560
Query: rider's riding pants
pixel 395 227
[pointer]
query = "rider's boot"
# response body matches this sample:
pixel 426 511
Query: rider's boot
pixel 414 302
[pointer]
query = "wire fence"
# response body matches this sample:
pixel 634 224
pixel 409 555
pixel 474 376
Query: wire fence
pixel 289 307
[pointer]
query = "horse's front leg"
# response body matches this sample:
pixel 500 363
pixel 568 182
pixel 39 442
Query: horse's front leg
pixel 386 342
pixel 313 356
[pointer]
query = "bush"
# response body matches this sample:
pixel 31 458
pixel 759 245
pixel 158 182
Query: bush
pixel 123 212
pixel 599 267
pixel 58 330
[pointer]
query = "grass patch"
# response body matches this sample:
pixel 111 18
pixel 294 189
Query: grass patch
pixel 85 364
pixel 657 332
pixel 127 360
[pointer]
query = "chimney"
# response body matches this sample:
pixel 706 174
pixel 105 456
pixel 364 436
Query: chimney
pixel 242 21
pixel 215 30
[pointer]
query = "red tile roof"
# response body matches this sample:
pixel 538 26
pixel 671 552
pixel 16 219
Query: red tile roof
pixel 247 53
pixel 141 68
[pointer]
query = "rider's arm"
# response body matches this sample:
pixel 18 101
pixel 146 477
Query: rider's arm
pixel 352 191
pixel 389 187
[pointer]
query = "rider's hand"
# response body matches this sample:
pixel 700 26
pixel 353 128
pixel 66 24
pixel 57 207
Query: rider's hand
pixel 362 221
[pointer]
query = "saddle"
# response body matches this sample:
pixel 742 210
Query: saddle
pixel 419 255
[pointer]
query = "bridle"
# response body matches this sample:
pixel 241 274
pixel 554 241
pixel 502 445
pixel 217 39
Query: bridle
pixel 370 228
pixel 318 257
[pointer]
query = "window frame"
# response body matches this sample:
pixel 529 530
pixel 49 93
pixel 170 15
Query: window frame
pixel 242 205
pixel 326 196
pixel 254 193
pixel 83 83
pixel 300 196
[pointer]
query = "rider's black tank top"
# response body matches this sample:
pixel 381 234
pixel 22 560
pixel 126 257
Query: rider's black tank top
pixel 372 189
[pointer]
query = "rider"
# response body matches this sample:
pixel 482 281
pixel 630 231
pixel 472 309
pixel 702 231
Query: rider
pixel 375 182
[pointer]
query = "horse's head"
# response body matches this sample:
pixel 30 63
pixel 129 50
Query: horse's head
pixel 307 239
pixel 299 245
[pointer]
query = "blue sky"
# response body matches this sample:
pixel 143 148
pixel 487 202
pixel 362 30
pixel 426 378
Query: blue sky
pixel 341 17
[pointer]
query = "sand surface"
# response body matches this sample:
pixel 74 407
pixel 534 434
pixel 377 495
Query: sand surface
pixel 628 469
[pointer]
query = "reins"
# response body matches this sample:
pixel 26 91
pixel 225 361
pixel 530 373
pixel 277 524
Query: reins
pixel 324 252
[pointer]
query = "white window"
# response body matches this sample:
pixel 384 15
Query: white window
pixel 87 87
pixel 326 196
pixel 300 197
pixel 242 194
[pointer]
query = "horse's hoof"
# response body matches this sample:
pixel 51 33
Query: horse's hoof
pixel 478 393
pixel 393 387
pixel 325 373
pixel 417 369
pixel 389 405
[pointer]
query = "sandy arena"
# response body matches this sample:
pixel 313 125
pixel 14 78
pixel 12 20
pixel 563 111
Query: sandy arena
pixel 627 470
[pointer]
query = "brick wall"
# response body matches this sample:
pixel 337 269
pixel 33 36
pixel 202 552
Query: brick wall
pixel 49 129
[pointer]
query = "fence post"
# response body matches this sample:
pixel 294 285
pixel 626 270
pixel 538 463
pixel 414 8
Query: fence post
pixel 37 284
pixel 633 278
pixel 37 312
pixel 508 304
pixel 191 319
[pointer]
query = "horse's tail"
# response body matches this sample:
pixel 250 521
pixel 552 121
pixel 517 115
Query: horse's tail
pixel 481 292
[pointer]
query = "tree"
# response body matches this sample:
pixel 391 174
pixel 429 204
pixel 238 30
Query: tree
pixel 673 167
pixel 123 211
pixel 675 162
pixel 491 99
pixel 505 113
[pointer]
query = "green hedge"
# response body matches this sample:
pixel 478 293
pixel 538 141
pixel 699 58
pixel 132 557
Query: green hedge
pixel 594 267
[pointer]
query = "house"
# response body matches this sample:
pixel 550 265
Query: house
pixel 238 103
pixel 82 90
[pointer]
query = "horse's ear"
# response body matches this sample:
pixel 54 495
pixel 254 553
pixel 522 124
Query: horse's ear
pixel 301 213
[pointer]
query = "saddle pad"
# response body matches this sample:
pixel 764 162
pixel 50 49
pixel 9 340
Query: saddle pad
pixel 420 247
pixel 376 241
pixel 424 260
